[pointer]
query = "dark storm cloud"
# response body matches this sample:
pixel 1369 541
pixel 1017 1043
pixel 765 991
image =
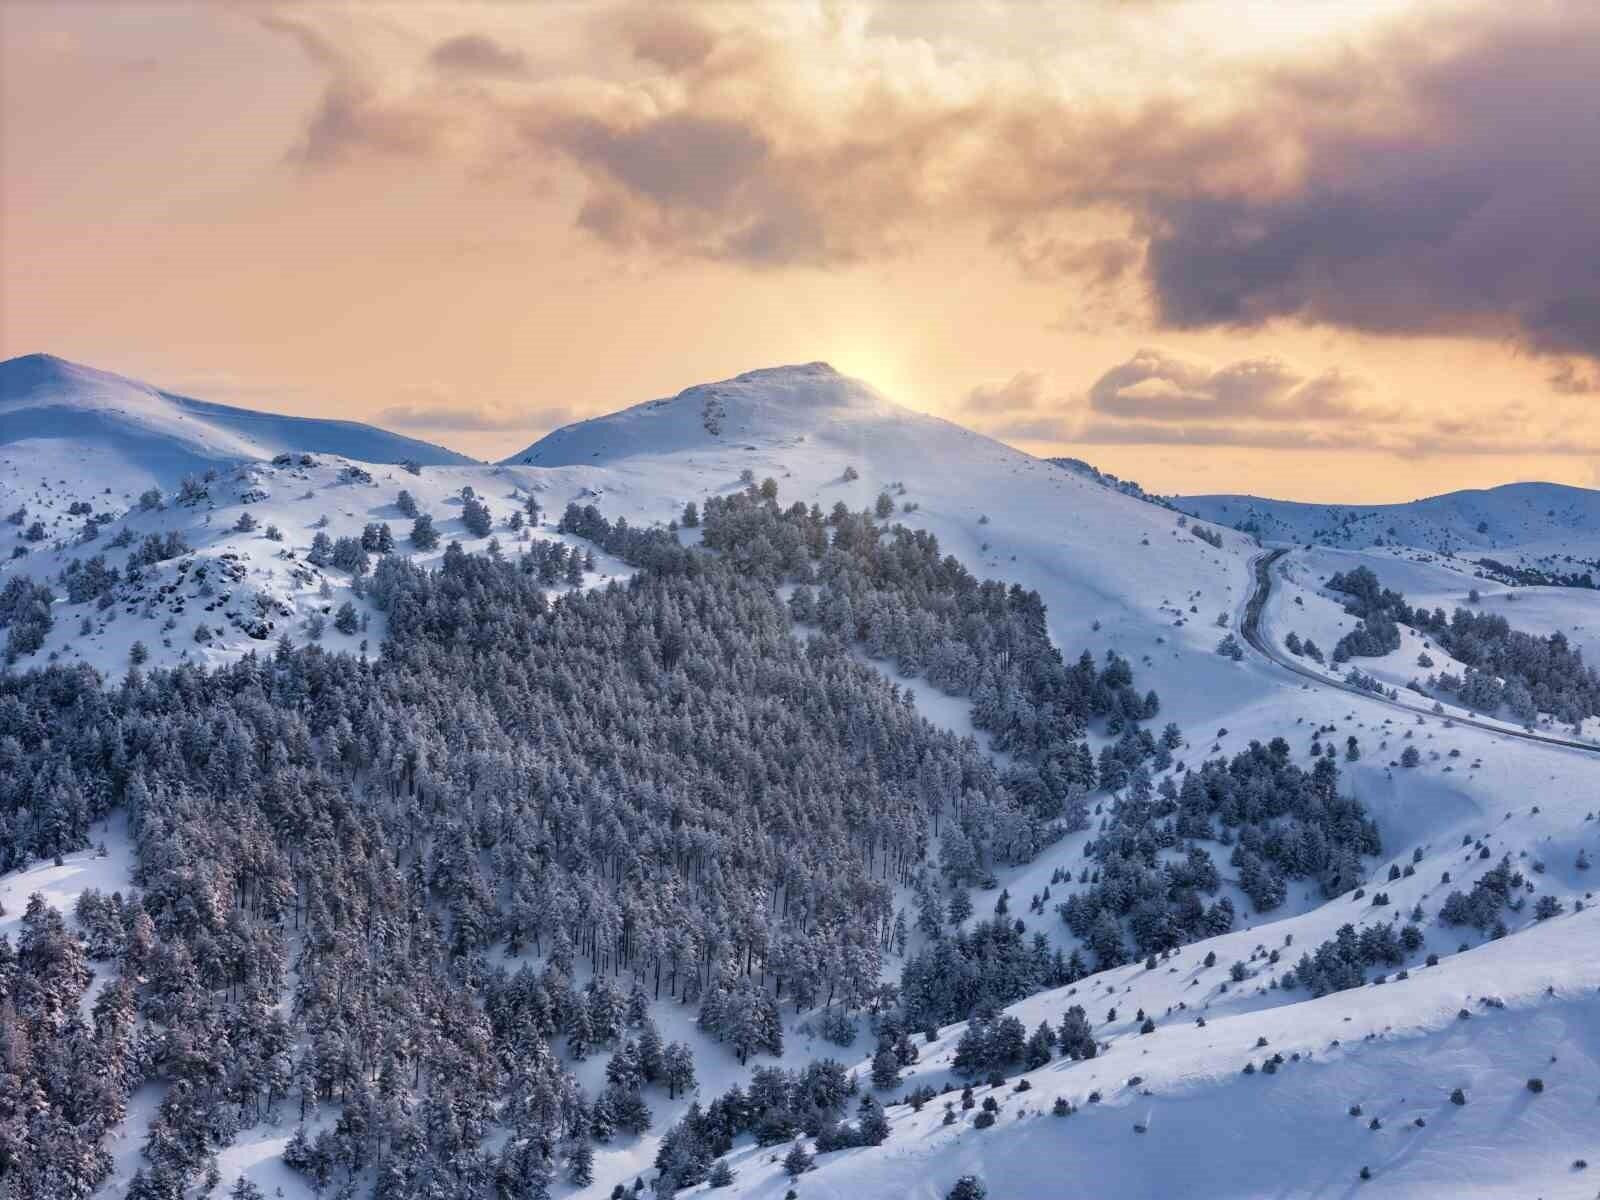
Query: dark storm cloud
pixel 1458 197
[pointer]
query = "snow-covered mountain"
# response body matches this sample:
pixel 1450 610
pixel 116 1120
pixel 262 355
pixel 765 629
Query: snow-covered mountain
pixel 127 431
pixel 1119 573
pixel 1156 1114
pixel 1533 522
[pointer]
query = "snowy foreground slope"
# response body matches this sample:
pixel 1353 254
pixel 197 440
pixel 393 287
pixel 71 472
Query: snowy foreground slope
pixel 1173 1113
pixel 1116 573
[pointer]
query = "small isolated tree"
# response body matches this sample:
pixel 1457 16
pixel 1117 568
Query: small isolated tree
pixel 721 1175
pixel 138 653
pixel 406 503
pixel 246 522
pixel 873 1125
pixel 691 516
pixel 968 1187
pixel 1410 757
pixel 851 474
pixel 345 620
pixel 423 535
pixel 476 517
pixel 799 1160
pixel 885 1068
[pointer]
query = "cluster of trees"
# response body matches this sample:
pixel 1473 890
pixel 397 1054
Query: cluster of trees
pixel 1491 893
pixel 1282 822
pixel 778 1106
pixel 25 616
pixel 987 967
pixel 1307 648
pixel 553 562
pixel 157 548
pixel 1341 962
pixel 651 549
pixel 1524 673
pixel 347 553
pixel 1534 577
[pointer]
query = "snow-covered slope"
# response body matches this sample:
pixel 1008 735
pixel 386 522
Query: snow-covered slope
pixel 56 415
pixel 1173 1114
pixel 1538 521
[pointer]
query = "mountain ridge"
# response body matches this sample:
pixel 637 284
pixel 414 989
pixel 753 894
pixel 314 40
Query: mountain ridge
pixel 44 396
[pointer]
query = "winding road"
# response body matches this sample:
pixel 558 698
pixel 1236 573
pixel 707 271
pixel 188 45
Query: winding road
pixel 1250 629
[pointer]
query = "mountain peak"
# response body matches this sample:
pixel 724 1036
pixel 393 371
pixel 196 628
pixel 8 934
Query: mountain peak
pixel 768 404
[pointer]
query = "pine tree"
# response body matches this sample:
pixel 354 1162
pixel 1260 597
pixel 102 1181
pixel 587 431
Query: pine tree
pixel 798 1161
pixel 885 1068
pixel 580 1164
pixel 872 1124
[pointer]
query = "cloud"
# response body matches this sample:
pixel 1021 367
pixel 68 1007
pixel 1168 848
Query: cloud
pixel 428 408
pixel 1437 176
pixel 1159 399
pixel 1021 393
pixel 476 54
pixel 1569 379
pixel 673 37
pixel 1154 386
pixel 1446 183
pixel 354 119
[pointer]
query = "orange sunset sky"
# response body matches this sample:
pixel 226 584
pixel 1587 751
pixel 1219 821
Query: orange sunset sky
pixel 1319 249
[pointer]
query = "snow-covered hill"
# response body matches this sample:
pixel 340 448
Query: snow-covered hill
pixel 59 417
pixel 1536 523
pixel 1117 573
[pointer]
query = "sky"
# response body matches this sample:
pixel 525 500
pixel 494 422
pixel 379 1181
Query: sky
pixel 1322 250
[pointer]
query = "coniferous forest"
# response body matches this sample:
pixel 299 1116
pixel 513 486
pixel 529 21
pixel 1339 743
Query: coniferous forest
pixel 413 890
